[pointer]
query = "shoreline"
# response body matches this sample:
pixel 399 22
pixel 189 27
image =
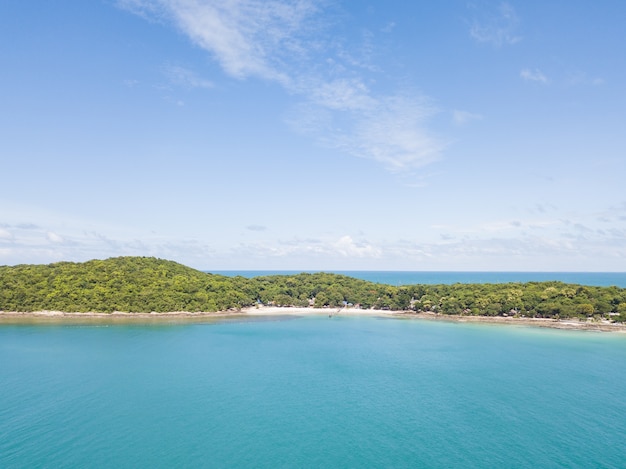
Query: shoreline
pixel 60 317
pixel 563 324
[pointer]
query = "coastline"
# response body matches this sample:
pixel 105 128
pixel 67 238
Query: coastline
pixel 564 324
pixel 59 317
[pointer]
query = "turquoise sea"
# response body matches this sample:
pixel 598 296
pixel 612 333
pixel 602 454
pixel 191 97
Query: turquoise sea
pixel 310 392
pixel 602 279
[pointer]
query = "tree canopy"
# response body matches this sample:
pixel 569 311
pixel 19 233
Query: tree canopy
pixel 145 284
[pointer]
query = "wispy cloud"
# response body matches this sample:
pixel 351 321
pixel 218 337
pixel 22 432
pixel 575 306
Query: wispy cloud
pixel 464 117
pixel 580 78
pixel 534 75
pixel 184 77
pixel 341 95
pixel 392 132
pixel 247 37
pixel 273 40
pixel 256 227
pixel 496 26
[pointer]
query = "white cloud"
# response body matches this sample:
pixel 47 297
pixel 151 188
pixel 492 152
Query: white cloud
pixel 297 248
pixel 5 234
pixel 54 238
pixel 271 40
pixel 534 75
pixel 496 26
pixel 347 247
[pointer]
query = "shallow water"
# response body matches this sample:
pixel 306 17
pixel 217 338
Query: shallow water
pixel 310 392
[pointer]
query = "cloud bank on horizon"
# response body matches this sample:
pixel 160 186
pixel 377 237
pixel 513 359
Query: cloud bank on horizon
pixel 307 134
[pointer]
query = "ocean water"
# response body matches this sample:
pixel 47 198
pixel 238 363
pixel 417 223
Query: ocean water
pixel 310 392
pixel 603 279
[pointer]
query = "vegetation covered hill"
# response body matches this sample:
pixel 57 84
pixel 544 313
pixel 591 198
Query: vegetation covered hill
pixel 140 284
pixel 134 284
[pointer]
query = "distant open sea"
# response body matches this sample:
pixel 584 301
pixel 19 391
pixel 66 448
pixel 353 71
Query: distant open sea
pixel 310 392
pixel 411 278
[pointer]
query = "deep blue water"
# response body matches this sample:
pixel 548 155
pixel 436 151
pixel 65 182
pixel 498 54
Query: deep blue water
pixel 412 278
pixel 310 392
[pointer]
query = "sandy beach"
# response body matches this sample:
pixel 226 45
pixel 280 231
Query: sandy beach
pixel 278 311
pixel 13 317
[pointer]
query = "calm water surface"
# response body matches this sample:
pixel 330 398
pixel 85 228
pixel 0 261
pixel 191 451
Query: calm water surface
pixel 311 392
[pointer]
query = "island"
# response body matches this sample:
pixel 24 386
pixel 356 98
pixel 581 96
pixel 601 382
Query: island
pixel 146 285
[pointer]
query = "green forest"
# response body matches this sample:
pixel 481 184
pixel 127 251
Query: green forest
pixel 144 284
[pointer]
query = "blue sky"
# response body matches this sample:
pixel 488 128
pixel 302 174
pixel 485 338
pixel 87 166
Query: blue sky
pixel 314 134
